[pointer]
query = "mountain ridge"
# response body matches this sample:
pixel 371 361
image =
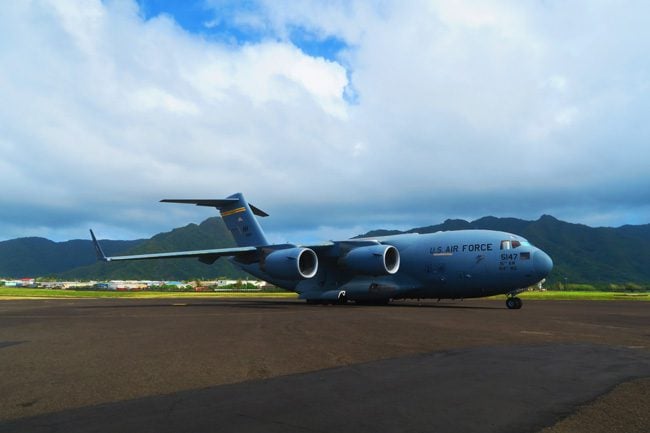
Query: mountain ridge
pixel 581 253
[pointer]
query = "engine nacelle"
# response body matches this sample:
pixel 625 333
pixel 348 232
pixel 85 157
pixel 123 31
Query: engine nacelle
pixel 372 260
pixel 291 263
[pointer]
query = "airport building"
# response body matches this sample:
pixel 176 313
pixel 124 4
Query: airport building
pixel 127 285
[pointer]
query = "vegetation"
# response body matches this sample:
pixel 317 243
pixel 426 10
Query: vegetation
pixel 594 256
pixel 601 287
pixel 584 295
pixel 76 260
pixel 36 257
pixel 585 258
pixel 211 233
pixel 19 292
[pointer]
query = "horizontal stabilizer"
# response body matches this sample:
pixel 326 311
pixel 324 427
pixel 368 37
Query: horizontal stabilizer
pixel 238 216
pixel 220 203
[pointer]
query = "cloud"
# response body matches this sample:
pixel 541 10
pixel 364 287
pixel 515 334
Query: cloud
pixel 104 107
pixel 460 109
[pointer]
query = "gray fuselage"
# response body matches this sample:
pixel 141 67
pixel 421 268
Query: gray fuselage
pixel 451 264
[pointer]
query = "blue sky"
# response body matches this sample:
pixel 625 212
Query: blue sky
pixel 336 117
pixel 217 21
pixel 213 22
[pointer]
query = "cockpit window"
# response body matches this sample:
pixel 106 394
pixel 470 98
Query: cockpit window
pixel 510 244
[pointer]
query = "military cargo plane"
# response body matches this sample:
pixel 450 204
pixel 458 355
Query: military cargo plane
pixel 443 265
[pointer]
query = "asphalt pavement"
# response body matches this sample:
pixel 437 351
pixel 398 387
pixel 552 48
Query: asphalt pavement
pixel 275 365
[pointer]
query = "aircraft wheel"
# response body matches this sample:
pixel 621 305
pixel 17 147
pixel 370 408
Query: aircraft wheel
pixel 514 303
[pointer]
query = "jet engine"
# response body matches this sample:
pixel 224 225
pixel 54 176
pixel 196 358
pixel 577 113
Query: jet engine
pixel 372 260
pixel 291 263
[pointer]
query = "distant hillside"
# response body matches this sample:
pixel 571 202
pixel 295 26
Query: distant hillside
pixel 37 257
pixel 211 233
pixel 580 253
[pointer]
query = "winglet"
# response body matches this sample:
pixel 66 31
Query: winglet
pixel 98 249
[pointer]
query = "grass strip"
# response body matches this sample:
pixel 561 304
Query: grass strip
pixel 582 296
pixel 14 292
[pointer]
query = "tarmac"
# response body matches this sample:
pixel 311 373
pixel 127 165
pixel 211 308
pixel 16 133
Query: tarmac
pixel 267 365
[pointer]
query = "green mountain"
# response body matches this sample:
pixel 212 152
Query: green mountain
pixel 37 257
pixel 581 254
pixel 211 233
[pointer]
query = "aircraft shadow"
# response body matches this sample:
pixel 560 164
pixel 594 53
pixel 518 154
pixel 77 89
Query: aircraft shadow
pixel 4 344
pixel 181 303
pixel 429 305
pixel 277 304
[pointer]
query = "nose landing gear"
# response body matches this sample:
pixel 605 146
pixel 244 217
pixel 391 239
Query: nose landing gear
pixel 513 303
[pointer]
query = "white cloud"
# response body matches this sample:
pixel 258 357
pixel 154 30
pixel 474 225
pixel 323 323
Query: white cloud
pixel 101 106
pixel 463 108
pixel 152 98
pixel 271 72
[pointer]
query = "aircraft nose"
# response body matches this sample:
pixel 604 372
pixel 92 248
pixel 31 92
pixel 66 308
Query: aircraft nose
pixel 542 263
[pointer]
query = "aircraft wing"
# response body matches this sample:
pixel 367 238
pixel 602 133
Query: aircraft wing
pixel 206 256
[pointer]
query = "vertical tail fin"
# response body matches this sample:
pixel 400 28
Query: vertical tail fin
pixel 238 216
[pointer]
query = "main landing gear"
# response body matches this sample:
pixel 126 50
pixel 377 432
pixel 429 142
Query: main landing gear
pixel 513 303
